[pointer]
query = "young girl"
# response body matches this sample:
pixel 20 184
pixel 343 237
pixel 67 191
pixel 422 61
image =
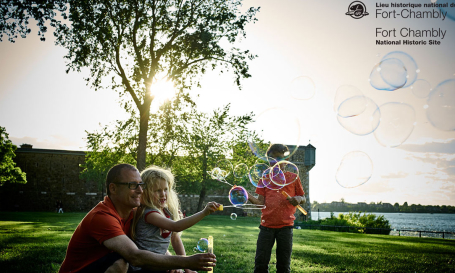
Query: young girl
pixel 158 221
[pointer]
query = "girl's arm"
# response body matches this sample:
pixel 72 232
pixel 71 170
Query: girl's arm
pixel 160 221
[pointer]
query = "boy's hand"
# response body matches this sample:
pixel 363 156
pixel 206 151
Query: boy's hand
pixel 296 200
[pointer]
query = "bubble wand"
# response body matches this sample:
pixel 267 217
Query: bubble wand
pixel 221 175
pixel 210 250
pixel 298 206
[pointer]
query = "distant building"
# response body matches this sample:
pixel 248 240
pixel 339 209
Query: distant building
pixel 52 175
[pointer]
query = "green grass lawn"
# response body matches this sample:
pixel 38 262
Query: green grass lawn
pixel 37 241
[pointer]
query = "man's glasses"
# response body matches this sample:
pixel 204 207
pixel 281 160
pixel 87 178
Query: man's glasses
pixel 132 185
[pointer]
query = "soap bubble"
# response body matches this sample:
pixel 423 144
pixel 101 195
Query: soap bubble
pixel 389 75
pixel 441 106
pixel 275 125
pixel 352 107
pixel 233 216
pixel 256 173
pixel 225 166
pixel 202 245
pixel 421 88
pixel 355 169
pixel 241 170
pixel 302 88
pixel 411 66
pixel 284 173
pixel 364 123
pixel 396 124
pixel 275 174
pixel 238 196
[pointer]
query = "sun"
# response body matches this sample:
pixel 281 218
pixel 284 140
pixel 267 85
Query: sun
pixel 162 90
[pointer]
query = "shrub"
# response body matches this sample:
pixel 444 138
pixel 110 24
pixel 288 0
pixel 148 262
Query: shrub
pixel 364 223
pixel 367 223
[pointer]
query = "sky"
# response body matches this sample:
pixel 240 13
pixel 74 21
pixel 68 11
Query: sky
pixel 311 57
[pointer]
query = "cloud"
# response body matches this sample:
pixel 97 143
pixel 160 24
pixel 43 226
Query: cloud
pixel 395 175
pixel 433 147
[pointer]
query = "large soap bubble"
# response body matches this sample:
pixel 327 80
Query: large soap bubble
pixel 410 64
pixel 396 124
pixel 396 70
pixel 349 101
pixel 284 173
pixel 389 75
pixel 355 169
pixel 271 175
pixel 364 123
pixel 441 106
pixel 238 196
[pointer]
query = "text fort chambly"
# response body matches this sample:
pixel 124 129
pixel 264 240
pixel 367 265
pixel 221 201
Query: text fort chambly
pixel 410 11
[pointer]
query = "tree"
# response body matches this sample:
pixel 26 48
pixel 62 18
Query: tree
pixel 211 138
pixel 136 43
pixel 9 173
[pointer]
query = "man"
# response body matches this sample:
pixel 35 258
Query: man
pixel 100 242
pixel 277 219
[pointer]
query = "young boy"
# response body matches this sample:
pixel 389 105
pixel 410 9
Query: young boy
pixel 277 219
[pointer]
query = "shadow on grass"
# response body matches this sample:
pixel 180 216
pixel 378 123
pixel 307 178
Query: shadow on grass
pixel 374 253
pixel 27 253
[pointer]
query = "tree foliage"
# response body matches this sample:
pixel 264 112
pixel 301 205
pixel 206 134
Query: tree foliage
pixel 135 43
pixel 9 173
pixel 15 16
pixel 187 141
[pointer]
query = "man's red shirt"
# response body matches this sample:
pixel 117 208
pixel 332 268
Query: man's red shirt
pixel 86 244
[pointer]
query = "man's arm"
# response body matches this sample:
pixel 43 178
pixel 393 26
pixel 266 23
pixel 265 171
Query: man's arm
pixel 149 260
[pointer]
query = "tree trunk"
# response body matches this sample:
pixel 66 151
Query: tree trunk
pixel 143 128
pixel 201 197
pixel 204 179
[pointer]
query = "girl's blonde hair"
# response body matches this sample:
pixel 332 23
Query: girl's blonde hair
pixel 151 176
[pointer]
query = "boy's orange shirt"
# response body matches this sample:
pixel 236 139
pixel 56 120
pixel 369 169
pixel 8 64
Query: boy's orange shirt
pixel 278 211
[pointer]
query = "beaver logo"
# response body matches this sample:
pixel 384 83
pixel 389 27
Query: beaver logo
pixel 357 10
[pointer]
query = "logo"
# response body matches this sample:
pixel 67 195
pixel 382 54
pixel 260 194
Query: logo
pixel 357 10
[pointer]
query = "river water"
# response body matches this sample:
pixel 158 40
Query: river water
pixel 411 221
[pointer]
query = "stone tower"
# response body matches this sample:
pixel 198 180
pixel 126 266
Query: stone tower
pixel 305 159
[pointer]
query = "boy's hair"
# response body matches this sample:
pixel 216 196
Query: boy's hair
pixel 151 176
pixel 280 148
